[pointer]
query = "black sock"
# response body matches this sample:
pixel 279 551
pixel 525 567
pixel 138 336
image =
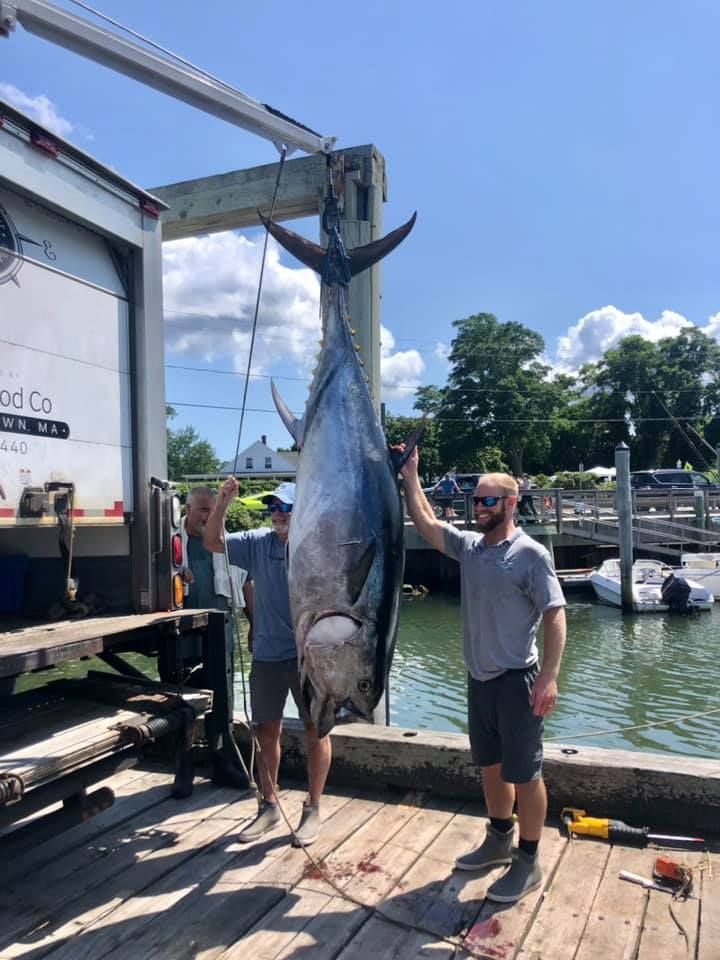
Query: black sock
pixel 502 826
pixel 528 846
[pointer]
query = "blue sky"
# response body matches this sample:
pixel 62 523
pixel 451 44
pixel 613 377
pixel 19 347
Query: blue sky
pixel 560 155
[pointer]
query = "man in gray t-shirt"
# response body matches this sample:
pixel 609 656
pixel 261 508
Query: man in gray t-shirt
pixel 508 585
pixel 274 671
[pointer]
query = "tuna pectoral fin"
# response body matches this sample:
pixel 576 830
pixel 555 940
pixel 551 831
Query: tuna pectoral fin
pixel 399 457
pixel 295 427
pixel 356 568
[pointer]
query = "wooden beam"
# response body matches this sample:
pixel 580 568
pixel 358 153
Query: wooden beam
pixel 658 790
pixel 229 201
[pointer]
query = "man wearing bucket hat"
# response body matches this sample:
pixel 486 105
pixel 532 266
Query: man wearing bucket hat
pixel 274 671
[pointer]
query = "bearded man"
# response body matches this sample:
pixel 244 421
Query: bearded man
pixel 508 585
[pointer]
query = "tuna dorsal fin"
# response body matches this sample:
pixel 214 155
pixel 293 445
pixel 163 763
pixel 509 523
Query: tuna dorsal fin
pixel 295 427
pixel 313 255
pixel 399 457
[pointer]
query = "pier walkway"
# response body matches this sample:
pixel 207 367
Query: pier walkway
pixel 154 877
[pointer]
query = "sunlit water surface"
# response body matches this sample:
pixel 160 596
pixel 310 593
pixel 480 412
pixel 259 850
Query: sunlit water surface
pixel 618 672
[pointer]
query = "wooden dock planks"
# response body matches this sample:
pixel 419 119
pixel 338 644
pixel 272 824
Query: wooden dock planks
pixel 166 880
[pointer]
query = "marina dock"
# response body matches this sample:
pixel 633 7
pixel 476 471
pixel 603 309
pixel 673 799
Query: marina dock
pixel 154 877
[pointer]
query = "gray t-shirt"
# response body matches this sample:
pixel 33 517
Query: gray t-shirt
pixel 504 589
pixel 262 554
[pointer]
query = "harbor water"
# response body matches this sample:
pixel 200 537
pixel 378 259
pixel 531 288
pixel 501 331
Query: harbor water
pixel 618 672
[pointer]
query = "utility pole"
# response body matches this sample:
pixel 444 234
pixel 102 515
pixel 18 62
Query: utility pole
pixel 623 497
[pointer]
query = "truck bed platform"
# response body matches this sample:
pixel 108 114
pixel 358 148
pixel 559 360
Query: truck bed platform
pixel 32 647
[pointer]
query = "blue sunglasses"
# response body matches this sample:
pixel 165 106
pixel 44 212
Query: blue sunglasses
pixel 282 507
pixel 487 501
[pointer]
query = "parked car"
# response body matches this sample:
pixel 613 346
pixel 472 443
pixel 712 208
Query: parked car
pixel 651 488
pixel 666 480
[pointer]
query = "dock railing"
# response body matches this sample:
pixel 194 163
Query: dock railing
pixel 564 508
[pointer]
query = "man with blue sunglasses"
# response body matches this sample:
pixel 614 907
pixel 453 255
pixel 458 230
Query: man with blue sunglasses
pixel 508 585
pixel 274 672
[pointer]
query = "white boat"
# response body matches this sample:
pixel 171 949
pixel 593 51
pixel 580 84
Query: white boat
pixel 704 568
pixel 648 578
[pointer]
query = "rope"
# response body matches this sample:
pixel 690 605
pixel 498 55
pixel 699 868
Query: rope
pixel 255 745
pixel 458 943
pixel 637 726
pixel 283 154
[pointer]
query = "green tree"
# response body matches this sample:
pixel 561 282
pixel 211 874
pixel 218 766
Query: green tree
pixel 187 453
pixel 650 395
pixel 499 396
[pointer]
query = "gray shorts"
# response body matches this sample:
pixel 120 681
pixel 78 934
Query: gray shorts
pixel 503 729
pixel 270 683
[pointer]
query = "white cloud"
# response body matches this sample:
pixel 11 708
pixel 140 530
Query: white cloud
pixel 713 326
pixel 210 288
pixel 601 329
pixel 442 351
pixel 40 108
pixel 399 372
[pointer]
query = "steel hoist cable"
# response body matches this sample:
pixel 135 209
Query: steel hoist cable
pixel 234 599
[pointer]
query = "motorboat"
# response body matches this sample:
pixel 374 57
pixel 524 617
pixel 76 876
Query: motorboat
pixel 657 588
pixel 703 568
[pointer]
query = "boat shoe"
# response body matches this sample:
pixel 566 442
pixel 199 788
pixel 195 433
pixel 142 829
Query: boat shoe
pixel 522 878
pixel 309 827
pixel 267 818
pixel 495 850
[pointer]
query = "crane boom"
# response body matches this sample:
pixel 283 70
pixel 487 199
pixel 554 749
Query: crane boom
pixel 175 79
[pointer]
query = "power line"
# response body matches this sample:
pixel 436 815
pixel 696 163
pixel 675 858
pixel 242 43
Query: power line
pixel 268 376
pixel 480 421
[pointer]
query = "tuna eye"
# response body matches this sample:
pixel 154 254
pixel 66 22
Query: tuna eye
pixel 364 686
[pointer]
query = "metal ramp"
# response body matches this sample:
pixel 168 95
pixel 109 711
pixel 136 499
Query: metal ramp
pixel 666 537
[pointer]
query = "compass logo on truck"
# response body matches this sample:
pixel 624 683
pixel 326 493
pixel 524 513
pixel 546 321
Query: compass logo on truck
pixel 10 248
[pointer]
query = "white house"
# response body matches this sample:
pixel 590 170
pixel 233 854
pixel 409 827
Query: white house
pixel 261 459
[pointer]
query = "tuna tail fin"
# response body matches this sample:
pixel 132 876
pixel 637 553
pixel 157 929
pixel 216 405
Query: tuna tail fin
pixel 313 255
pixel 363 257
pixel 399 457
pixel 295 427
pixel 307 252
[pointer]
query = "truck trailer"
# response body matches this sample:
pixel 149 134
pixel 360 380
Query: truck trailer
pixel 90 550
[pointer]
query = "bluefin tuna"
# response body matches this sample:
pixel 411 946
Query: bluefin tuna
pixel 345 545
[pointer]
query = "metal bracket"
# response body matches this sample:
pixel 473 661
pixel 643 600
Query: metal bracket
pixel 12 788
pixel 8 18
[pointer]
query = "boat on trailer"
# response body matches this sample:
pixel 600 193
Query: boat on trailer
pixel 652 587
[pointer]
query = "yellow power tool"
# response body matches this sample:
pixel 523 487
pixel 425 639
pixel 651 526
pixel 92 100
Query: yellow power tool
pixel 577 823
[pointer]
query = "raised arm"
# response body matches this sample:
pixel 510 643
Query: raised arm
pixel 214 536
pixel 421 513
